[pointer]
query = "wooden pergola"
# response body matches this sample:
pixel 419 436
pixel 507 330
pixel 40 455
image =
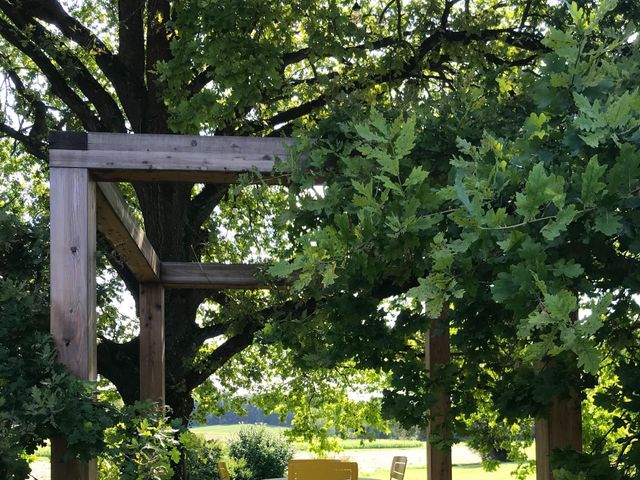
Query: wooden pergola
pixel 84 200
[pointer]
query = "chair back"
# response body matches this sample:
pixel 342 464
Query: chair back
pixel 398 467
pixel 324 469
pixel 223 471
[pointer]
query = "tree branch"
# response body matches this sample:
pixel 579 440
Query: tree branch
pixel 38 131
pixel 158 36
pixel 203 203
pixel 411 67
pixel 221 355
pixel 125 71
pixel 58 83
pixel 38 150
pixel 107 108
pixel 525 14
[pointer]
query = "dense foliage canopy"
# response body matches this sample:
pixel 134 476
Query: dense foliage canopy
pixel 512 202
pixel 496 177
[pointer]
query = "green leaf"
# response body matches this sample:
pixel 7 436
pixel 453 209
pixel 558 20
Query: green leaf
pixel 379 122
pixel 589 357
pixel 463 145
pixel 534 125
pixel 560 305
pixel 364 190
pixel 406 139
pixel 624 175
pixel 282 269
pixel 583 104
pixel 553 229
pixel 591 184
pixel 593 139
pixel 416 177
pixel 329 275
pixel 462 194
pixel 175 455
pixel 607 223
pixel 540 189
pixel 568 269
pixel 562 43
pixel 366 134
pixel 388 183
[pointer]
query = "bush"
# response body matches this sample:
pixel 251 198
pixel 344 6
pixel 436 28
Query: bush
pixel 39 399
pixel 202 456
pixel 143 445
pixel 264 453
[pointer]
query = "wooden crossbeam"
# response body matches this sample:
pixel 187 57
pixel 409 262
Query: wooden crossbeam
pixel 172 158
pixel 114 220
pixel 210 276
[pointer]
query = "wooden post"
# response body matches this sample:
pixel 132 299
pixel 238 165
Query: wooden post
pixel 562 428
pixel 152 342
pixel 73 291
pixel 437 356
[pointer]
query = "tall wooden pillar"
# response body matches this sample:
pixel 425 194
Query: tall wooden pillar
pixel 437 356
pixel 73 291
pixel 562 428
pixel 152 342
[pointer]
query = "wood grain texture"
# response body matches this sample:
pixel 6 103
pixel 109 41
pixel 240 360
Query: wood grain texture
pixel 124 233
pixel 207 167
pixel 210 275
pixel 188 143
pixel 562 428
pixel 152 374
pixel 437 355
pixel 73 290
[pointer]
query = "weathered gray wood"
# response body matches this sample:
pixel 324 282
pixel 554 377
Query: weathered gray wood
pixel 152 342
pixel 210 275
pixel 73 290
pixel 125 234
pixel 187 143
pixel 197 167
pixel 561 428
pixel 437 356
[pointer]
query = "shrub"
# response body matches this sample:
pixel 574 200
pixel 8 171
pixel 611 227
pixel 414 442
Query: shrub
pixel 265 453
pixel 143 445
pixel 202 456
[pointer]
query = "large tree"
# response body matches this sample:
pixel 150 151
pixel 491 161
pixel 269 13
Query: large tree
pixel 512 204
pixel 229 67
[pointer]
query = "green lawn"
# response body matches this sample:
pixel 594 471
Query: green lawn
pixel 460 472
pixel 223 432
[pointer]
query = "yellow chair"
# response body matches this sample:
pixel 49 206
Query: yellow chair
pixel 398 467
pixel 223 471
pixel 328 469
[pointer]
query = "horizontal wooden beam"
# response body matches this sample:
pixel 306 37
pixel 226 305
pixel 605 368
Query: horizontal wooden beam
pixel 117 165
pixel 210 275
pixel 124 233
pixel 144 142
pixel 172 158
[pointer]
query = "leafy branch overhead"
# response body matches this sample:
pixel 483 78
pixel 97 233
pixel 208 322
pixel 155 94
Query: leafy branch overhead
pixel 526 229
pixel 228 67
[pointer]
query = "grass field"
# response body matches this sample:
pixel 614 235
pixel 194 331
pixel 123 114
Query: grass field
pixel 224 432
pixel 460 472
